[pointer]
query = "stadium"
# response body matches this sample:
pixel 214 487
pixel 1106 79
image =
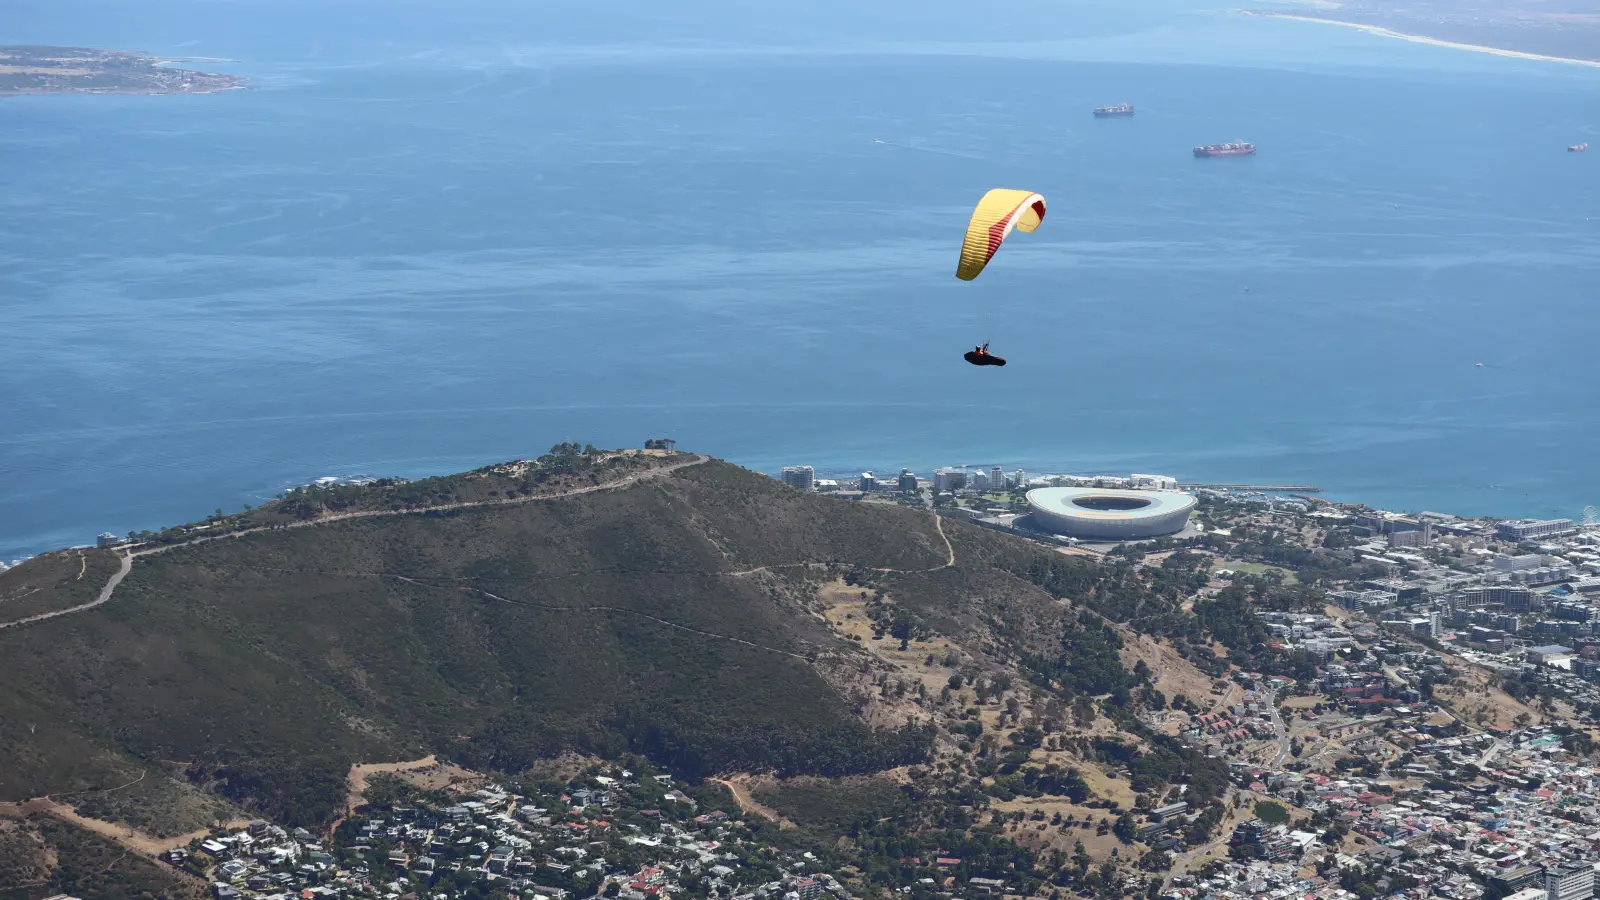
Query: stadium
pixel 1096 514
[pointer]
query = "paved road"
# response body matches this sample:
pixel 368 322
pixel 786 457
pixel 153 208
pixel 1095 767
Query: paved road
pixel 1282 731
pixel 105 594
pixel 129 555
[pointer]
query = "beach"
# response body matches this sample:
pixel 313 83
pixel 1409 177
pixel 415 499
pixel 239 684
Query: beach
pixel 1432 42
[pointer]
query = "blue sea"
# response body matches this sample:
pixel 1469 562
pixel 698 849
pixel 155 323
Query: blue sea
pixel 434 235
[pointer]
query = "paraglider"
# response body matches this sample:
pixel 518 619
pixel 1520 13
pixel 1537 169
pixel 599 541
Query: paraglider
pixel 980 356
pixel 996 215
pixel 1000 211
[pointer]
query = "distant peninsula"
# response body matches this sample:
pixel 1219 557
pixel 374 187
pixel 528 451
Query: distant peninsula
pixel 1546 30
pixel 27 69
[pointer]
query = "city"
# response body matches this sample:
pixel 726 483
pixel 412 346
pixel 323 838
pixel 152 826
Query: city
pixel 1430 731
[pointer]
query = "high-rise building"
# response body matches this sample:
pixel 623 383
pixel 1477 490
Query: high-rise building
pixel 1153 482
pixel 802 478
pixel 978 481
pixel 1019 479
pixel 908 481
pixel 997 479
pixel 948 480
pixel 1569 881
pixel 869 482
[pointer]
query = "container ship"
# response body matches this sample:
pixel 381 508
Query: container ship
pixel 1232 148
pixel 1121 109
pixel 1577 147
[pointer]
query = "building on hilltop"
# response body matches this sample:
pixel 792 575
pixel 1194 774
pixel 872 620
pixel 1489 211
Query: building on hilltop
pixel 802 478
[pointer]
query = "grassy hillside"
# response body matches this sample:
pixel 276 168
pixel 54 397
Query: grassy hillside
pixel 691 611
pixel 41 857
pixel 54 581
pixel 269 663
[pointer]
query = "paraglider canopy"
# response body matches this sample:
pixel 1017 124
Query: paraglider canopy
pixel 997 213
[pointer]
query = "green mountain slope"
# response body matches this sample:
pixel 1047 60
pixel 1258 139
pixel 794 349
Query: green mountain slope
pixel 672 606
pixel 607 621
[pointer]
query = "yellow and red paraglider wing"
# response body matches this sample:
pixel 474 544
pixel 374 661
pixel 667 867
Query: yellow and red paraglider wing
pixel 998 212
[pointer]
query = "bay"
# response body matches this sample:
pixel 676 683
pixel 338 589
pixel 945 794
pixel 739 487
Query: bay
pixel 436 235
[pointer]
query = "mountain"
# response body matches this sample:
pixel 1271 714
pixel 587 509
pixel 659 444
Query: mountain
pixel 671 615
pixel 665 605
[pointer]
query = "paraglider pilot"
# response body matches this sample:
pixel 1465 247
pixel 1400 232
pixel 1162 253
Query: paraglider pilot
pixel 980 356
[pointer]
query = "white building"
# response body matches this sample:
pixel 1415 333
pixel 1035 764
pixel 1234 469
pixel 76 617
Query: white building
pixel 1570 881
pixel 1523 529
pixel 948 480
pixel 1415 537
pixel 1109 515
pixel 997 479
pixel 1152 482
pixel 802 478
pixel 978 481
pixel 1517 563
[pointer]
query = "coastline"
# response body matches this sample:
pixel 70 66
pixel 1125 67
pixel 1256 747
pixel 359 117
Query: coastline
pixel 30 70
pixel 1380 31
pixel 121 92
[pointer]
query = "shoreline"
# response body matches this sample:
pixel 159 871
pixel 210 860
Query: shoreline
pixel 120 92
pixel 1380 31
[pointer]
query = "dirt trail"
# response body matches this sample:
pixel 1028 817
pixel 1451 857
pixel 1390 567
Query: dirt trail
pixel 741 795
pixel 122 835
pixel 129 556
pixel 356 781
pixel 440 776
pixel 360 772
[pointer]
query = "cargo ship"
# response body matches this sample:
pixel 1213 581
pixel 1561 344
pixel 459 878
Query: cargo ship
pixel 1232 148
pixel 1577 147
pixel 1121 109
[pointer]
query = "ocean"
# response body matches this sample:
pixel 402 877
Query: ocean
pixel 434 235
